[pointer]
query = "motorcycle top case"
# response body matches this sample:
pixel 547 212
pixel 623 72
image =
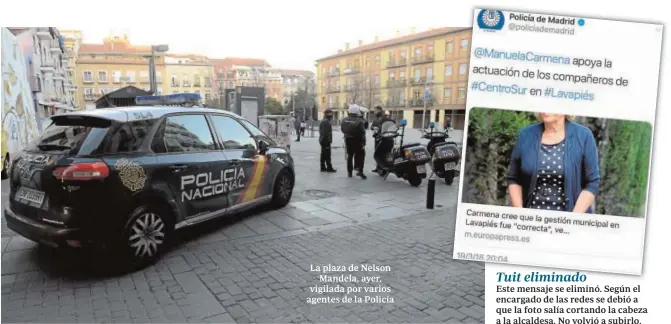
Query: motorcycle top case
pixel 418 154
pixel 447 151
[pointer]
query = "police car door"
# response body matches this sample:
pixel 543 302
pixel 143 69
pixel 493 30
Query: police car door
pixel 248 175
pixel 192 163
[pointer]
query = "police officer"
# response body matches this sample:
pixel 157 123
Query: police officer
pixel 325 140
pixel 354 130
pixel 381 118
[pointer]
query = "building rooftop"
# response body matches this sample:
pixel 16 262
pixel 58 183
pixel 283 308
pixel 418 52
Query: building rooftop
pixel 229 61
pixel 397 41
pixel 295 72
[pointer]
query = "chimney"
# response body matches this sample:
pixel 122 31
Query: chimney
pixel 360 42
pixel 412 30
pixel 346 46
pixel 377 38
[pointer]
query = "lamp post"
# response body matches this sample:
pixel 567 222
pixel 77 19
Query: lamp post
pixel 152 65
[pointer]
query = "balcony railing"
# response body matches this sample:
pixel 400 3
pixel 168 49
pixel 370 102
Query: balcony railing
pixel 417 81
pixel 395 103
pixel 333 89
pixel 416 102
pixel 351 70
pixel 348 88
pixel 334 73
pixel 423 59
pixel 395 63
pixel 396 83
pixel 35 84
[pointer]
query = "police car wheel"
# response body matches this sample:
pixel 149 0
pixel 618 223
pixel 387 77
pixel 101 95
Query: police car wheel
pixel 146 235
pixel 283 189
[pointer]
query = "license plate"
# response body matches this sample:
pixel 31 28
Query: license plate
pixel 421 169
pixel 33 196
pixel 450 166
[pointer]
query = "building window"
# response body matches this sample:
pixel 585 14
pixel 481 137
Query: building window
pixel 196 80
pixel 447 94
pixel 429 74
pixel 88 94
pixel 377 81
pixel 418 74
pixel 402 75
pixel 429 49
pixel 102 76
pixel 448 70
pixel 377 60
pixel 462 69
pixel 186 80
pixel 144 76
pixel 391 75
pixel 159 77
pixel 116 76
pixel 461 93
pixel 403 54
pixel 449 47
pixel 88 76
pixel 464 43
pixel 208 81
pixel 130 76
pixel 367 63
pixel 418 52
pixel 174 81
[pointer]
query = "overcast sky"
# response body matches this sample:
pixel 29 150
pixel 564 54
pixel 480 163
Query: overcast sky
pixel 289 34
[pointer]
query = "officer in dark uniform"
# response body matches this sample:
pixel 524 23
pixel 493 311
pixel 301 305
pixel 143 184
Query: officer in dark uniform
pixel 381 119
pixel 354 129
pixel 325 140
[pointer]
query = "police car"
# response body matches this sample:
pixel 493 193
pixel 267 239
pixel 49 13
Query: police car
pixel 129 177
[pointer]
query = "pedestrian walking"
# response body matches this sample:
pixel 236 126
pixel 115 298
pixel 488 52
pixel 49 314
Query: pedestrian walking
pixel 297 127
pixel 325 140
pixel 354 130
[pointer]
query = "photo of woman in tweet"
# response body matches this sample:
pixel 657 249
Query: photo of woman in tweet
pixel 554 165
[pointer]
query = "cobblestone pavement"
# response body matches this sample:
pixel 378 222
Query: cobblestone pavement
pixel 256 267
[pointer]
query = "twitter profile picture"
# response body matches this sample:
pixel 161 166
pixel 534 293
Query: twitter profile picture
pixel 491 19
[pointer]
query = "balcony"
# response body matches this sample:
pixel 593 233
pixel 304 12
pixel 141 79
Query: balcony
pixel 395 103
pixel 351 71
pixel 334 73
pixel 333 89
pixel 396 63
pixel 90 97
pixel 397 83
pixel 417 81
pixel 35 84
pixel 416 102
pixel 43 33
pixel 428 58
pixel 47 67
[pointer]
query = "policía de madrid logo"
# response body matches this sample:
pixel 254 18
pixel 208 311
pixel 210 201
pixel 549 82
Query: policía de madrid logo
pixel 491 19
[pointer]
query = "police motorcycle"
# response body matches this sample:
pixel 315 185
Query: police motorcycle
pixel 445 155
pixel 406 161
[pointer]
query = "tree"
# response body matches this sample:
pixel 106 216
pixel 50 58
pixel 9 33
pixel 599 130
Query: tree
pixel 305 103
pixel 274 107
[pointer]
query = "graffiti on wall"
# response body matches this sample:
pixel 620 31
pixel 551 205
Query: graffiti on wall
pixel 19 123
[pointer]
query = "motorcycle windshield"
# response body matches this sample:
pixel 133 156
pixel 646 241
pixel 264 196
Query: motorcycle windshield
pixel 388 128
pixel 437 131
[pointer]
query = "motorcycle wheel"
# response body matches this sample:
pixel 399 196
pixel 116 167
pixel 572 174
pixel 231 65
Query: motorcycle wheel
pixel 449 177
pixel 415 180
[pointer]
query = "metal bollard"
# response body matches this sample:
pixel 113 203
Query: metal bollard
pixel 431 192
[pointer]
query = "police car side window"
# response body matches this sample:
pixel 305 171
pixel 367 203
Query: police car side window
pixel 128 137
pixel 187 133
pixel 257 133
pixel 234 136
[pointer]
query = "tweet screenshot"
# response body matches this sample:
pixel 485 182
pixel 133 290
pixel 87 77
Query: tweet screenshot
pixel 558 144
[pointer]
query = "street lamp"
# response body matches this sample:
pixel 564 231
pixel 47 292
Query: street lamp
pixel 152 65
